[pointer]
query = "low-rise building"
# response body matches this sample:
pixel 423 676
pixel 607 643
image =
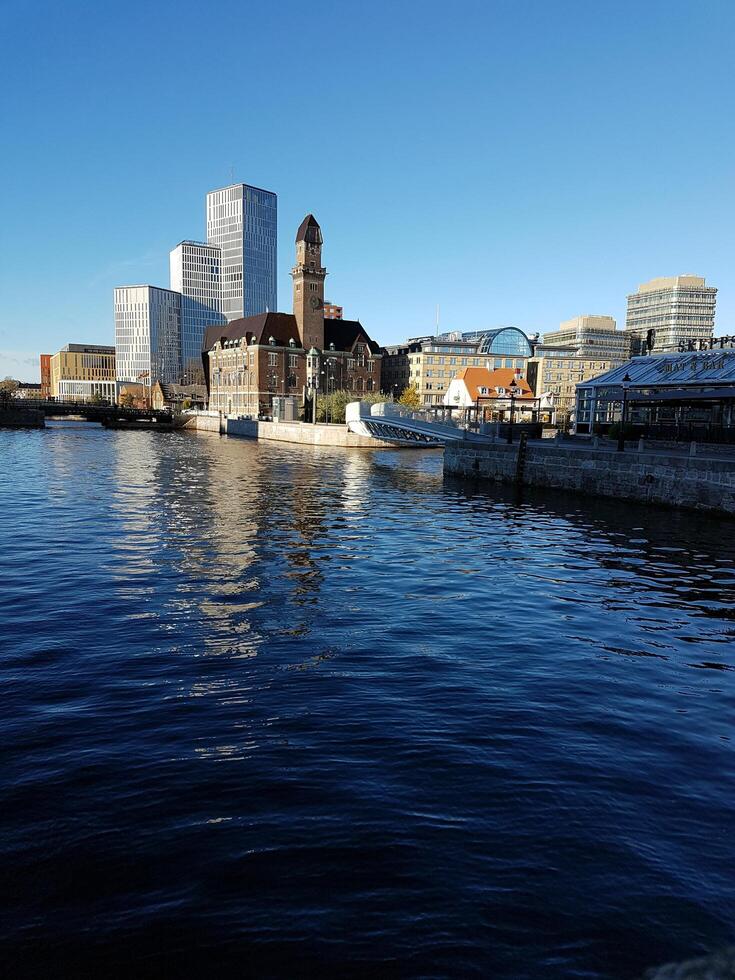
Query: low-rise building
pixel 487 393
pixel 250 361
pixel 28 390
pixel 429 363
pixel 689 396
pixel 175 398
pixel 82 373
pixel 555 372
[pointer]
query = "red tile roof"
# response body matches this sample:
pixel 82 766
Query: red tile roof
pixel 476 377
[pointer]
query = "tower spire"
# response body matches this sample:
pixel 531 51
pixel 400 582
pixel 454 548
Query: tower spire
pixel 308 283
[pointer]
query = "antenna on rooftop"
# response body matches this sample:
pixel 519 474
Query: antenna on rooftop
pixel 437 319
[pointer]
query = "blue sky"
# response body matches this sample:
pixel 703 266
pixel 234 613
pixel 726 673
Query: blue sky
pixel 515 162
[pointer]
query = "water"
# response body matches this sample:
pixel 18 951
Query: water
pixel 278 711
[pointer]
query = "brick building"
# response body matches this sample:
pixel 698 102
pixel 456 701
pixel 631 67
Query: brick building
pixel 250 361
pixel 45 360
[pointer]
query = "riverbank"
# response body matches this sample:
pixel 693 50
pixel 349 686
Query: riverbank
pixel 668 477
pixel 303 433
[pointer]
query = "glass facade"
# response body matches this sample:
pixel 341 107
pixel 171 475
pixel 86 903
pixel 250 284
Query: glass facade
pixel 147 334
pixel 506 340
pixel 242 222
pixel 195 273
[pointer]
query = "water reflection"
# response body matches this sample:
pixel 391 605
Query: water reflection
pixel 303 696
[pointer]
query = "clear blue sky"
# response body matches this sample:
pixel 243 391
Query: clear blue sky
pixel 515 162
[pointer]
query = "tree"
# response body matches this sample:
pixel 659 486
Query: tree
pixel 331 408
pixel 410 399
pixel 9 384
pixel 96 399
pixel 127 400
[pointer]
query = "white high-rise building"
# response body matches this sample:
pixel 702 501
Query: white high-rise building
pixel 147 334
pixel 671 313
pixel 195 273
pixel 242 221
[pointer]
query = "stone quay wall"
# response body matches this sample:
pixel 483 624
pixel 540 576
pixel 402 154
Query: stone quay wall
pixel 689 481
pixel 303 433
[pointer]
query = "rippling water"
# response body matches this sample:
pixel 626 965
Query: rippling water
pixel 279 711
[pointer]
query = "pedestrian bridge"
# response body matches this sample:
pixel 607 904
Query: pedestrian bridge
pixel 391 422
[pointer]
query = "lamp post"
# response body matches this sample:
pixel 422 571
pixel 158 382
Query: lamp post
pixel 512 388
pixel 621 433
pixel 312 367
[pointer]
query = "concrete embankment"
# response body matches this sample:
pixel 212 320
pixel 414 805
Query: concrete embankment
pixel 675 479
pixel 21 418
pixel 296 432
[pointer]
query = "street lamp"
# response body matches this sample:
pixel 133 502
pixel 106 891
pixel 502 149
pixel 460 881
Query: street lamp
pixel 513 389
pixel 312 367
pixel 621 433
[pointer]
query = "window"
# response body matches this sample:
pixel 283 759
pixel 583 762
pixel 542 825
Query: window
pixel 272 360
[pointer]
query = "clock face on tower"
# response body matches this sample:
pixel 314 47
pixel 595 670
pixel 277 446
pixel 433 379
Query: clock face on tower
pixel 315 302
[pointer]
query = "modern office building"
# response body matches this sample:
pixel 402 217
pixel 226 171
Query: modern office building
pixel 82 372
pixel 672 313
pixel 148 334
pixel 242 222
pixel 593 336
pixel 195 273
pixel 429 363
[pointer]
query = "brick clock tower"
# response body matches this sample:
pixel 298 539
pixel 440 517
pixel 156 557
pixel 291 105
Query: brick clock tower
pixel 308 284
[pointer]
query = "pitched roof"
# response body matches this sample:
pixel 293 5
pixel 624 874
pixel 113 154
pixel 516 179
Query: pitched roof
pixel 259 328
pixel 711 367
pixel 475 378
pixel 282 327
pixel 309 231
pixel 344 334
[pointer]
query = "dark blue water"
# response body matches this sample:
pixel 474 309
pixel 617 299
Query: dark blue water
pixel 278 711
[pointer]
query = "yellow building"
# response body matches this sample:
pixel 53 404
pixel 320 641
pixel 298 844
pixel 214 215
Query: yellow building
pixel 430 363
pixel 558 370
pixel 82 372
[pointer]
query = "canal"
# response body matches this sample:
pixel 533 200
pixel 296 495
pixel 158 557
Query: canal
pixel 273 710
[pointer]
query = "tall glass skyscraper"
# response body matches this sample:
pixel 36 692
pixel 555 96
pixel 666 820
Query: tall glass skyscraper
pixel 195 273
pixel 241 220
pixel 147 334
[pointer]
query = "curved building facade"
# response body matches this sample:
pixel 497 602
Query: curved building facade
pixel 506 341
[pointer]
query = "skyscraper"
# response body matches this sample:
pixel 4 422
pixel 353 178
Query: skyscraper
pixel 147 334
pixel 241 220
pixel 195 273
pixel 668 313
